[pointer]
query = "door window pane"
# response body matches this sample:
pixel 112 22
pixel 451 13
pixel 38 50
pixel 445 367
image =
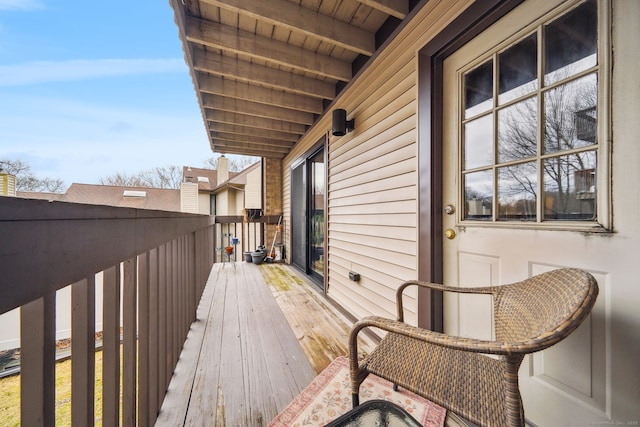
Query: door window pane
pixel 570 187
pixel 316 225
pixel 534 152
pixel 478 195
pixel 518 131
pixel 298 216
pixel 478 90
pixel 518 70
pixel 571 43
pixel 478 142
pixel 570 115
pixel 517 187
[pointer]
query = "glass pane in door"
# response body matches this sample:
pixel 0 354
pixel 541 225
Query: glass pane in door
pixel 298 217
pixel 316 223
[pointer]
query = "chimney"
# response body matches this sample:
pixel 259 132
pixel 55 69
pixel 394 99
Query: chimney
pixel 223 170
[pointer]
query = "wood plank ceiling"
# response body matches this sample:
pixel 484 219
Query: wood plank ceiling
pixel 265 70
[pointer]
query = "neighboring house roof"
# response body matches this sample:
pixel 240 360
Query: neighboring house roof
pixel 41 195
pixel 238 178
pixel 206 178
pixel 109 195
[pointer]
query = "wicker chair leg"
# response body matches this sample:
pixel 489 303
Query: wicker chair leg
pixel 355 399
pixel 395 387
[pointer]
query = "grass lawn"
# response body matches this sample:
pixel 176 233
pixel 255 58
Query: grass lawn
pixel 10 395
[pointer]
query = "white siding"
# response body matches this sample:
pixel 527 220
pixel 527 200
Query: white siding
pixel 204 203
pixel 253 189
pixel 189 197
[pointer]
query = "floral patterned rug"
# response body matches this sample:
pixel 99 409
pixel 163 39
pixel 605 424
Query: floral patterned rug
pixel 329 396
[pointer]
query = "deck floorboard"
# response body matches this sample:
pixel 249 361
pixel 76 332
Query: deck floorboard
pixel 242 363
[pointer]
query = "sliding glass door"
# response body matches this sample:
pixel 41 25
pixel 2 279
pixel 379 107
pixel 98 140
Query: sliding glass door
pixel 308 190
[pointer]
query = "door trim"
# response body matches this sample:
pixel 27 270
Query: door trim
pixel 471 22
pixel 320 145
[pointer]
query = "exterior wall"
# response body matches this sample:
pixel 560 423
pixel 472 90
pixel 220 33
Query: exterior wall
pixel 10 321
pixel 622 290
pixel 272 185
pixel 253 190
pixel 222 203
pixel 7 185
pixel 372 175
pixel 236 202
pixel 204 203
pixel 189 197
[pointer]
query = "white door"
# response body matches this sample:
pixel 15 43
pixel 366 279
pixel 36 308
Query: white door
pixel 526 185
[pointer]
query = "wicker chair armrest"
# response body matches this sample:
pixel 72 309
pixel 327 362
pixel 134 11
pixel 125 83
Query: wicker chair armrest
pixel 435 287
pixel 436 338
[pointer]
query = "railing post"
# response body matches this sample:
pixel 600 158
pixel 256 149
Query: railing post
pixel 83 351
pixel 38 361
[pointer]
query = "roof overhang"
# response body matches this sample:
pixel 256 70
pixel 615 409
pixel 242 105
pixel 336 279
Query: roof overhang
pixel 265 71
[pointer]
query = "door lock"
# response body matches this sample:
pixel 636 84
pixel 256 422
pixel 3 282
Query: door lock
pixel 449 209
pixel 450 233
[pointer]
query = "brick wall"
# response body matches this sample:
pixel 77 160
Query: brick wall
pixel 272 185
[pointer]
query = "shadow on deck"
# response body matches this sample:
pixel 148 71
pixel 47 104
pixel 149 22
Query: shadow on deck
pixel 260 337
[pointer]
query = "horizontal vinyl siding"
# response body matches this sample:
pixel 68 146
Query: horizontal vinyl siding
pixel 372 217
pixel 372 202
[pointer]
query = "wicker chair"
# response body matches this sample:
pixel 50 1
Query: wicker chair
pixel 455 372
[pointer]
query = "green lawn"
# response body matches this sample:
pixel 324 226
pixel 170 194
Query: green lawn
pixel 10 395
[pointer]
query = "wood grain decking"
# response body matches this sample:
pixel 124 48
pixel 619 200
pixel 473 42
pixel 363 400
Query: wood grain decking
pixel 245 359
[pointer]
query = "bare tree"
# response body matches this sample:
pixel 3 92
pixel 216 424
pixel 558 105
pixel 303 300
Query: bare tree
pixel 569 115
pixel 26 180
pixel 236 164
pixel 122 179
pixel 158 177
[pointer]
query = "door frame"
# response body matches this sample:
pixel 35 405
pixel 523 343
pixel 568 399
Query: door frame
pixel 475 19
pixel 303 160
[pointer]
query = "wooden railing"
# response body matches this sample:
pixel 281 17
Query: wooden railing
pixel 155 266
pixel 249 232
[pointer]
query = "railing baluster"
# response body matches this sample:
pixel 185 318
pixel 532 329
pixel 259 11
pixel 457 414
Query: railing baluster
pixel 37 361
pixel 162 320
pixel 129 344
pixel 170 345
pixel 143 340
pixel 176 302
pixel 154 396
pixel 171 306
pixel 111 347
pixel 83 351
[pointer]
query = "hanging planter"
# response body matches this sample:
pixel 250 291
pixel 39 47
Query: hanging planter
pixel 228 249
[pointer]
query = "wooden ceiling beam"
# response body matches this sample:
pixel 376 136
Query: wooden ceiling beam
pixel 253 122
pixel 231 39
pixel 252 132
pixel 248 149
pixel 397 8
pixel 220 65
pixel 223 149
pixel 220 136
pixel 283 13
pixel 242 90
pixel 241 106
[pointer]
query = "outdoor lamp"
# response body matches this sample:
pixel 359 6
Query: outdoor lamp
pixel 340 124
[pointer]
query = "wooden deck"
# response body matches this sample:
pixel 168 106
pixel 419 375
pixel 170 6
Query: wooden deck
pixel 260 337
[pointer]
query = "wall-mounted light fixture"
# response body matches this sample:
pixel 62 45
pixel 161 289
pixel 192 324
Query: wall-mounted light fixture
pixel 340 125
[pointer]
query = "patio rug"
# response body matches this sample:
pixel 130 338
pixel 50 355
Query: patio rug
pixel 329 396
